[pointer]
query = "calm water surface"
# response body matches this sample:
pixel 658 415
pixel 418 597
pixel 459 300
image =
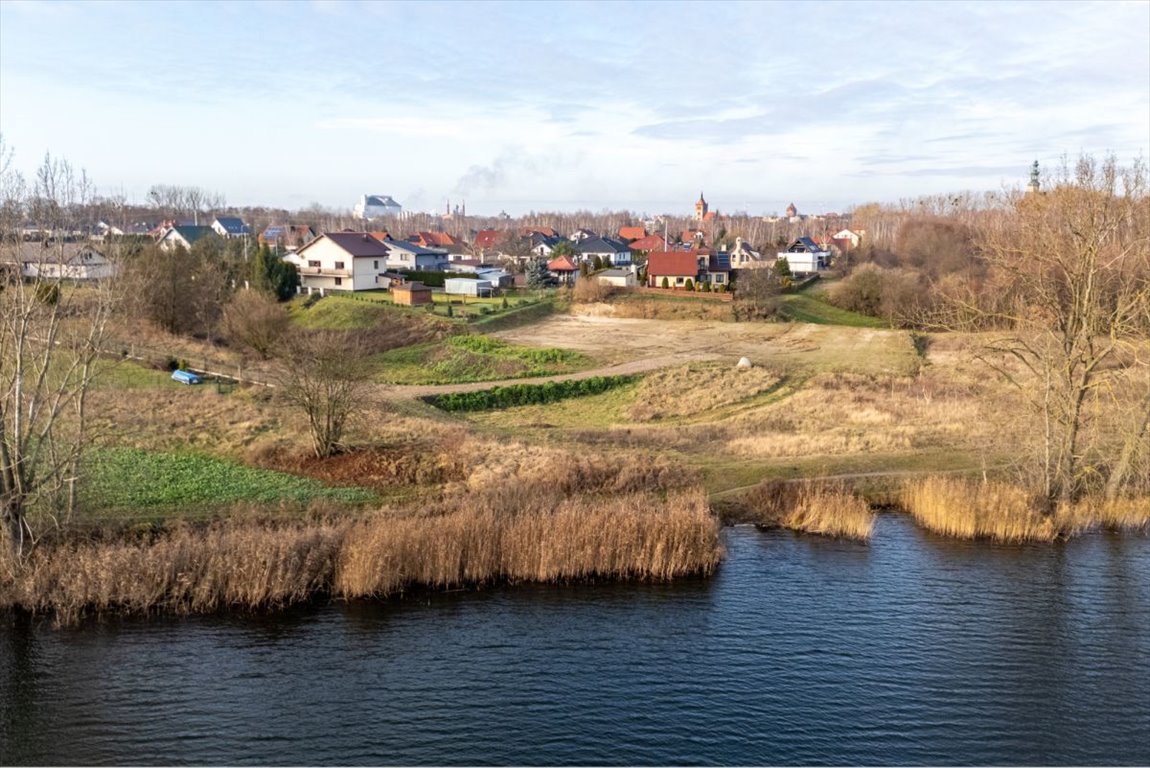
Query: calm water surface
pixel 911 649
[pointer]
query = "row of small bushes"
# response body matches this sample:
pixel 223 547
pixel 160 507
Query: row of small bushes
pixel 527 394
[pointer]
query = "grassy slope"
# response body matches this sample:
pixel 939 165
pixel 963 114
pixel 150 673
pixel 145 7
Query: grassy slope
pixel 131 482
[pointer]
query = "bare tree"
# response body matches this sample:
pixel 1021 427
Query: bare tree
pixel 1072 266
pixel 757 294
pixel 254 320
pixel 323 375
pixel 50 337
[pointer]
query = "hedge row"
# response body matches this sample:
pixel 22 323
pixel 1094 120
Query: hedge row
pixel 527 394
pixel 432 279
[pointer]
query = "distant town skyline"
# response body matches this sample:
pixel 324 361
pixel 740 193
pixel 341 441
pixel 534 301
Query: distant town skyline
pixel 566 106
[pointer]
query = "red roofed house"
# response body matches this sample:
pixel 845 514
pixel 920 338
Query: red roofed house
pixel 486 240
pixel 676 266
pixel 563 268
pixel 693 237
pixel 632 233
pixel 649 243
pixel 438 240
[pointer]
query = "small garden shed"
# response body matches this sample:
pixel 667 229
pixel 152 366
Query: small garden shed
pixel 411 294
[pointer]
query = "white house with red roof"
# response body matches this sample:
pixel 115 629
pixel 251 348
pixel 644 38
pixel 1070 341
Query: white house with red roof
pixel 676 267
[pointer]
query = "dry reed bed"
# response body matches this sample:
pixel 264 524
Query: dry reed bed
pixel 969 509
pixel 823 507
pixel 524 534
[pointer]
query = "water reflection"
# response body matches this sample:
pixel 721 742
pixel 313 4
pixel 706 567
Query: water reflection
pixel 913 649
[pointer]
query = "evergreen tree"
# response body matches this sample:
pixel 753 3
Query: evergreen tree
pixel 782 269
pixel 536 274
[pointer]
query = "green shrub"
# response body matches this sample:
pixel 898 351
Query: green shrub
pixel 527 394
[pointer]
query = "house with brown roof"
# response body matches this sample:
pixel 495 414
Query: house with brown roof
pixel 341 261
pixel 676 267
pixel 632 233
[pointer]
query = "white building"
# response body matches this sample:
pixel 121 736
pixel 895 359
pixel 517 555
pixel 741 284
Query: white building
pixel 377 206
pixel 64 261
pixel 805 257
pixel 341 261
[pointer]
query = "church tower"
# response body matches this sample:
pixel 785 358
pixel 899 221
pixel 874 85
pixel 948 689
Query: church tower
pixel 1033 185
pixel 700 208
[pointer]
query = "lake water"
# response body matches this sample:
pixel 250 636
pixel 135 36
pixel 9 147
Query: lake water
pixel 912 649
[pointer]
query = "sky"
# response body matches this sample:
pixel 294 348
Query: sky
pixel 566 106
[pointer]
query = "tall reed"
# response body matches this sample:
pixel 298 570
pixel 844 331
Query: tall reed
pixel 972 509
pixel 823 507
pixel 505 535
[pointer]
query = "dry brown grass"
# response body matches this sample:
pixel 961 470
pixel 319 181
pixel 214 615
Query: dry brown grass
pixel 694 389
pixel 1004 512
pixel 839 413
pixel 826 508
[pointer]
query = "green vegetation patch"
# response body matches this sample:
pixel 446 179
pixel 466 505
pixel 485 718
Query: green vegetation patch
pixel 337 313
pixel 474 357
pixel 132 479
pixel 528 394
pixel 810 308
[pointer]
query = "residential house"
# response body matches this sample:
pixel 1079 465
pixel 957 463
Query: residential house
pixel 743 256
pixel 452 245
pixel 486 242
pixel 805 257
pixel 847 239
pixel 563 269
pixel 341 261
pixel 620 278
pixel 715 268
pixel 230 226
pixel 58 260
pixel 376 206
pixel 542 245
pixel 693 238
pixel 183 235
pixel 286 236
pixel 104 229
pixel 609 250
pixel 548 231
pixel 580 235
pixel 630 234
pixel 648 243
pixel 407 255
pixel 677 267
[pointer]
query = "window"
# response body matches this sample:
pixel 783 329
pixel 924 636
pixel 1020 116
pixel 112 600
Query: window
pixel 375 264
pixel 339 265
pixel 678 281
pixel 314 264
pixel 339 281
